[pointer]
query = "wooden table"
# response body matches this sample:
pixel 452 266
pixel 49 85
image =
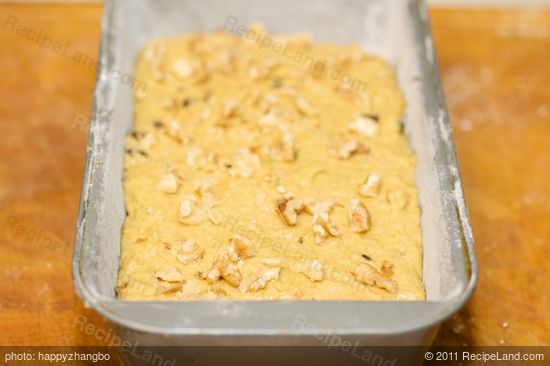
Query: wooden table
pixel 496 73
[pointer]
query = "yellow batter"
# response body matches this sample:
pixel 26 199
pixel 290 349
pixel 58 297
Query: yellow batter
pixel 263 173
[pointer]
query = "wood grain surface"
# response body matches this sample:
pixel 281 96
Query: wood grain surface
pixel 496 73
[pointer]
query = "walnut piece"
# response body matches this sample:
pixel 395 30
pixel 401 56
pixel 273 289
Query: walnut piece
pixel 169 275
pixel 182 68
pixel 321 224
pixel 245 164
pixel 358 217
pixel 191 288
pixel 173 130
pixel 189 252
pixel 285 149
pixel 227 271
pixel 323 228
pixel 312 269
pixel 371 187
pixel 349 149
pixel 168 184
pixel 288 208
pixel 368 275
pixel 270 274
pixel 253 283
pixel 239 249
pixel 213 275
pixel 189 213
pixel 364 126
pixel 193 212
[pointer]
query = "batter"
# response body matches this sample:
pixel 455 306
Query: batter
pixel 258 174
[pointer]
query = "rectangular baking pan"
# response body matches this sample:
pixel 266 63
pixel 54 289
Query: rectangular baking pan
pixel 399 31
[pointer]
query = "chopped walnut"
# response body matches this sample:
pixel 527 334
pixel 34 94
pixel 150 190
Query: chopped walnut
pixel 169 288
pixel 245 164
pixel 398 198
pixel 350 149
pixel 186 207
pixel 168 184
pixel 228 272
pixel 208 201
pixel 371 187
pixel 173 130
pixel 213 275
pixel 364 126
pixel 169 275
pixel 189 252
pixel 321 224
pixel 288 208
pixel 368 275
pixel 270 274
pixel 183 68
pixel 313 207
pixel 312 269
pixel 189 213
pixel 322 227
pixel 191 288
pixel 239 249
pixel 253 283
pixel 358 217
pixel 195 212
pixel 284 149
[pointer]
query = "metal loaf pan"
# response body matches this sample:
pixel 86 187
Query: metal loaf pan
pixel 397 30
